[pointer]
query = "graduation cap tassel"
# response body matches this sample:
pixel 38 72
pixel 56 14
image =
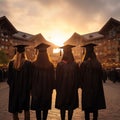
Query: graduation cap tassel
pixel 60 52
pixel 15 51
pixel 36 51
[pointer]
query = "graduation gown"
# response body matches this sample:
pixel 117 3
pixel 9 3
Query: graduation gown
pixel 19 87
pixel 42 87
pixel 91 75
pixel 66 86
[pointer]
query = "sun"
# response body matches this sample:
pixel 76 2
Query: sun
pixel 58 37
pixel 56 50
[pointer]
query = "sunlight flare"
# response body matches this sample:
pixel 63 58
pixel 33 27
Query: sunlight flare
pixel 58 37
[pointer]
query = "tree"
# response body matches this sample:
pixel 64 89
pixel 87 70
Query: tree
pixel 3 58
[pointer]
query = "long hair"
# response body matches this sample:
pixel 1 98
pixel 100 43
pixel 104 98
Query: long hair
pixel 68 56
pixel 91 60
pixel 19 60
pixel 90 55
pixel 42 60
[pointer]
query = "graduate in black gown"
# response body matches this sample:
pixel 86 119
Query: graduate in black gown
pixel 91 75
pixel 42 83
pixel 19 71
pixel 67 83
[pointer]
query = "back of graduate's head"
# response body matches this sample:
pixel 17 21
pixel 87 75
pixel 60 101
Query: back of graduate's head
pixel 20 48
pixel 42 47
pixel 42 59
pixel 67 53
pixel 41 50
pixel 89 54
pixel 20 56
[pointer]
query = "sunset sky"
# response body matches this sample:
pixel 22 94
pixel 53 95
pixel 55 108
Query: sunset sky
pixel 57 20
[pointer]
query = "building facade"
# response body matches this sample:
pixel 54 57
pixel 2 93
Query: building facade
pixel 107 39
pixel 6 32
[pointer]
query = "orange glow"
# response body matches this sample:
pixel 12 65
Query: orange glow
pixel 57 50
pixel 57 37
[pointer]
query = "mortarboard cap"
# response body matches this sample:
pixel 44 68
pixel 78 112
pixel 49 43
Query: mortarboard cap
pixel 67 47
pixel 89 46
pixel 90 51
pixel 42 47
pixel 67 55
pixel 20 48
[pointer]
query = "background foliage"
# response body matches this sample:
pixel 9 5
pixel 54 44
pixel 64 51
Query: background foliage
pixel 3 58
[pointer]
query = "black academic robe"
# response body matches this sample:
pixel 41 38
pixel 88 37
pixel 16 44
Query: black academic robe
pixel 19 87
pixel 91 76
pixel 42 87
pixel 66 86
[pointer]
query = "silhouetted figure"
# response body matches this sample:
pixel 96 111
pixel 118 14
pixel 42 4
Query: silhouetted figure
pixel 42 83
pixel 104 76
pixel 1 75
pixel 67 83
pixel 91 76
pixel 118 74
pixel 19 84
pixel 113 75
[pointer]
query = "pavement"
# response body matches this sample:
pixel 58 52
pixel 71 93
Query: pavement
pixel 112 112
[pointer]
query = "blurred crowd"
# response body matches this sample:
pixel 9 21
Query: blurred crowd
pixel 112 74
pixel 3 74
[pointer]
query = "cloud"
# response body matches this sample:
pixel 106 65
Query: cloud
pixel 67 16
pixel 3 5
